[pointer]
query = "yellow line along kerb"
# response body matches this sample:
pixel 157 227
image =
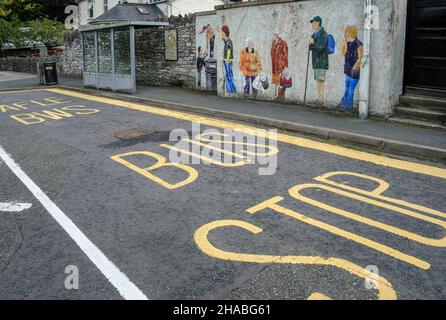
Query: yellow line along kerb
pixel 297 141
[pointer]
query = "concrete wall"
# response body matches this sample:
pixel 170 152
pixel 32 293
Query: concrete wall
pixel 260 20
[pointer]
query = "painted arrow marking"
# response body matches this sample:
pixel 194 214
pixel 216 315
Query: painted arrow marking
pixel 14 206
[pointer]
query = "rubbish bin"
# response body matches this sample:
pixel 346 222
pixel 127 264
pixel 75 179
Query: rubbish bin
pixel 50 73
pixel 211 74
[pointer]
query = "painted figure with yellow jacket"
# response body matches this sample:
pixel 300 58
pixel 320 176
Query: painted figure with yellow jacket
pixel 250 66
pixel 228 59
pixel 352 49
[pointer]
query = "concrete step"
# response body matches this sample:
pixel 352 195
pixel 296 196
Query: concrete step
pixel 427 102
pixel 418 123
pixel 432 115
pixel 424 92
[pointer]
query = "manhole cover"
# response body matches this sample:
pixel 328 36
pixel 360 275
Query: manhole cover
pixel 131 133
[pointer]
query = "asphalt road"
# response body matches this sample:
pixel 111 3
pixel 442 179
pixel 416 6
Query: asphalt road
pixel 196 231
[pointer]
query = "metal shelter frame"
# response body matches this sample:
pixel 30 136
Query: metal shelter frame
pixel 118 76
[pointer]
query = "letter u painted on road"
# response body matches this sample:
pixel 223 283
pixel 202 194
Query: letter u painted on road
pixel 192 174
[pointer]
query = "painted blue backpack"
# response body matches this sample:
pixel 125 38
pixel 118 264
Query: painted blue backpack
pixel 331 44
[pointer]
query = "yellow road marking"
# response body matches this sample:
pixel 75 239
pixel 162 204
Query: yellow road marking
pixel 385 289
pixel 207 159
pixel 21 91
pixel 273 205
pixel 318 297
pixel 297 141
pixel 377 193
pixel 161 162
pixel 295 192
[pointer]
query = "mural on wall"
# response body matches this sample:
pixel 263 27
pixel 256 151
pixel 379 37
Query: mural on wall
pixel 251 67
pixel 319 53
pixel 201 56
pixel 292 44
pixel 352 49
pixel 228 60
pixel 206 60
pixel 279 58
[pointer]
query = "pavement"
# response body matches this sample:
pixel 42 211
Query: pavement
pixel 373 134
pixel 107 201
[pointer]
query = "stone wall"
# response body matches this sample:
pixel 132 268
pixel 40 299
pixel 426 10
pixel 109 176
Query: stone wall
pixel 151 66
pixel 70 63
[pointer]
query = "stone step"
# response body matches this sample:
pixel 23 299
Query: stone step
pixel 418 123
pixel 424 92
pixel 427 102
pixel 433 115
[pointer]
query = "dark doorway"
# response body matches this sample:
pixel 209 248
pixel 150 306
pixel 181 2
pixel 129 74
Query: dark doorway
pixel 426 44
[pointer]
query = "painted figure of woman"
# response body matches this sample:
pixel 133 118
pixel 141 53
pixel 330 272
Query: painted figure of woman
pixel 279 58
pixel 228 55
pixel 352 49
pixel 250 66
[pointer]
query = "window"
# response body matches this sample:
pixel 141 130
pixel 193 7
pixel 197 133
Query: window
pixel 90 9
pixel 105 5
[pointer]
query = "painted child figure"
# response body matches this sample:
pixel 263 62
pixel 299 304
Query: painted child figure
pixel 352 49
pixel 201 56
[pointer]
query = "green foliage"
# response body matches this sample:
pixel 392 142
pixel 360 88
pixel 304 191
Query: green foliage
pixel 28 10
pixel 22 10
pixel 49 32
pixel 12 32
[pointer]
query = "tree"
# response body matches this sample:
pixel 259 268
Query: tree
pixel 28 10
pixel 47 31
pixel 22 10
pixel 12 33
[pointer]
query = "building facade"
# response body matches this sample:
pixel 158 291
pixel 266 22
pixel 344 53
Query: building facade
pixel 91 9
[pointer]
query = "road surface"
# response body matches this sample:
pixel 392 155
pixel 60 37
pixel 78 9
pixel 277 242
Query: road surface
pixel 92 207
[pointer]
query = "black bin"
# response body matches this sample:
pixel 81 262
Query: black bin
pixel 50 73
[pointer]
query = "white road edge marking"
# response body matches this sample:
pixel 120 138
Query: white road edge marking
pixel 14 206
pixel 119 280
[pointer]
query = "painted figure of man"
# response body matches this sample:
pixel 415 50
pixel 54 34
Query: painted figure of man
pixel 279 58
pixel 352 49
pixel 319 49
pixel 228 59
pixel 251 66
pixel 210 39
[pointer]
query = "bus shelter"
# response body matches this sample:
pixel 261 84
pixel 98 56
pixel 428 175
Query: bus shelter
pixel 108 53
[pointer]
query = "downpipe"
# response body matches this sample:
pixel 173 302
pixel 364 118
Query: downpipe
pixel 364 84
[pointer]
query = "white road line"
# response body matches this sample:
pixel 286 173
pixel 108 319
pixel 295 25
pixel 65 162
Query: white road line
pixel 14 206
pixel 119 280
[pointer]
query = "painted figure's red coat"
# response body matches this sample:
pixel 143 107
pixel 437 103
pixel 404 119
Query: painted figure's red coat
pixel 279 57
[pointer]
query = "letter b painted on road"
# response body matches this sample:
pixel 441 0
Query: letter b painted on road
pixel 161 162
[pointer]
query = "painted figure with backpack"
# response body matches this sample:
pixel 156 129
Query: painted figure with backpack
pixel 321 45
